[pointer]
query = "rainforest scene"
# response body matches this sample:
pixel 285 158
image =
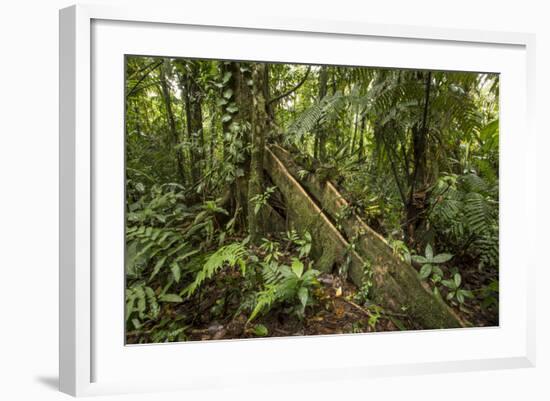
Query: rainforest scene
pixel 270 199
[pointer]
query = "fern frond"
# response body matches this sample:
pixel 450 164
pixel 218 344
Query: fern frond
pixel 231 255
pixel 271 273
pixel 479 214
pixel 314 115
pixel 264 300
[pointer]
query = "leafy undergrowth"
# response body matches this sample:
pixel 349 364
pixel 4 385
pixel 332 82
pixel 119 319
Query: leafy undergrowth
pixel 239 290
pixel 336 309
pixel 190 277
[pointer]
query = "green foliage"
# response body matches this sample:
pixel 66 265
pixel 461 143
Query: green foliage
pixel 169 330
pixel 286 284
pixel 401 250
pixel 490 295
pixel 161 248
pixel 429 263
pixel 141 304
pixel 455 291
pixel 375 312
pixel 231 255
pixel 271 249
pixel 314 115
pixel 260 200
pixel 364 294
pixel 303 244
pixel 260 330
pixel 465 213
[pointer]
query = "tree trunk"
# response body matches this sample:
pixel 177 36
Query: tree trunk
pixel 259 127
pixel 193 110
pixel 236 123
pixel 416 203
pixel 170 117
pixel 213 134
pixel 321 134
pixel 269 107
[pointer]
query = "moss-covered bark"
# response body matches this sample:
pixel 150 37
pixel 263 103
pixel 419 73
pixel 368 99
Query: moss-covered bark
pixel 329 247
pixel 396 284
pixel 259 126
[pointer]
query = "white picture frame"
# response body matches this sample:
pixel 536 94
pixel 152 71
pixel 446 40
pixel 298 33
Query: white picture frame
pixel 93 357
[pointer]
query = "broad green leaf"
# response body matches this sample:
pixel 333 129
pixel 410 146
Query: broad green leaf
pixel 425 271
pixel 429 252
pixel 448 283
pixel 226 77
pixel 141 301
pixel 171 298
pixel 130 306
pixel 457 280
pixel 260 330
pixel 228 93
pixel 157 267
pixel 442 258
pixel 130 258
pixel 188 254
pixel 176 271
pixel 419 259
pixel 460 297
pixel 297 267
pixel 154 308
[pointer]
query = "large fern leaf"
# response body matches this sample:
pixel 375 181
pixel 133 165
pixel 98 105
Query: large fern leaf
pixel 231 255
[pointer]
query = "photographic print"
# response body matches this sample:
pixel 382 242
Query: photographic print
pixel 276 200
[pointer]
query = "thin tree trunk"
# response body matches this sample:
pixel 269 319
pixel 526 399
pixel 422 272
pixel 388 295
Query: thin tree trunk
pixel 213 134
pixel 236 130
pixel 323 80
pixel 416 199
pixel 270 106
pixel 193 108
pixel 171 120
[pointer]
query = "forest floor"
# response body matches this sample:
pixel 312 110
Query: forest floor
pixel 336 311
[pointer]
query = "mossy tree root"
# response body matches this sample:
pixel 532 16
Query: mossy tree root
pixel 396 283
